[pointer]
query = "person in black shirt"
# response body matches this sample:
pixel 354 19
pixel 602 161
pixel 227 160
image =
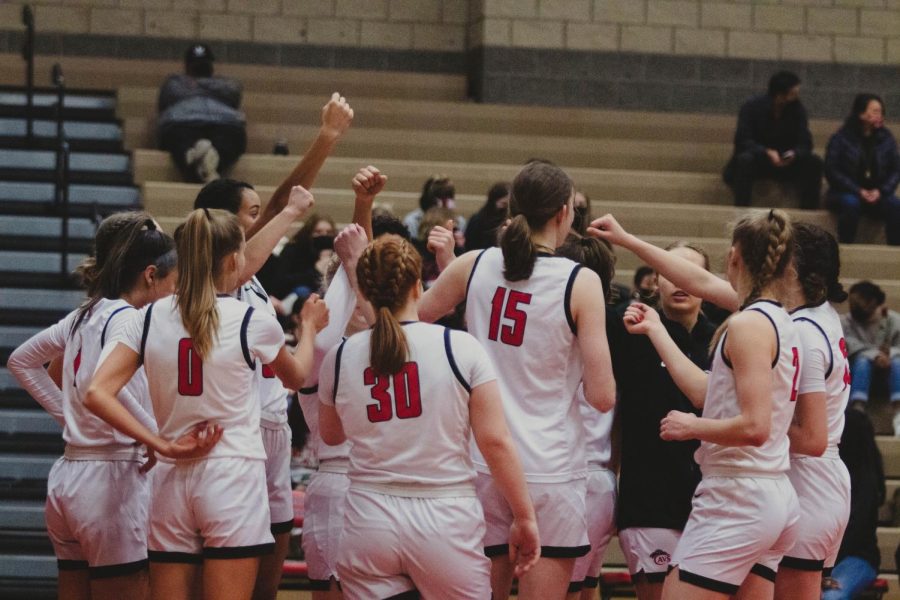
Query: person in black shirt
pixel 862 165
pixel 773 141
pixel 483 228
pixel 657 478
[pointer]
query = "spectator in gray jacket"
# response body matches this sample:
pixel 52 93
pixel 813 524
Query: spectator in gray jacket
pixel 200 123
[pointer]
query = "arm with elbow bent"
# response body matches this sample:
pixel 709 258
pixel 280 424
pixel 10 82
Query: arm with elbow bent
pixel 495 443
pixel 750 346
pixel 26 363
pixel 640 319
pixel 330 427
pixel 809 430
pixel 260 246
pixel 448 290
pixel 102 400
pixel 690 277
pixel 589 314
pixel 294 369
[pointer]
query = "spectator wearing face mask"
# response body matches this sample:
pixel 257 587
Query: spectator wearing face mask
pixel 872 334
pixel 437 191
pixel 773 141
pixel 301 265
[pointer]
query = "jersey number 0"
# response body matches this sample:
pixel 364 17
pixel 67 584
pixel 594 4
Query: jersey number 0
pixel 406 398
pixel 190 369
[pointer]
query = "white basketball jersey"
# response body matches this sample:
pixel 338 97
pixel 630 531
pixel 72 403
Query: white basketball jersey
pixel 597 432
pixel 528 331
pixel 410 431
pixel 722 403
pixel 825 365
pixel 273 396
pixel 187 390
pixel 82 352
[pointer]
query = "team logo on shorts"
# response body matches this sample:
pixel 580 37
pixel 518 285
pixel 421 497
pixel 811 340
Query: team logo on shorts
pixel 661 557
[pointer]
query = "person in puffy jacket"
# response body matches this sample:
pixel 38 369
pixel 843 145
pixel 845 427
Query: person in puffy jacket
pixel 862 166
pixel 200 122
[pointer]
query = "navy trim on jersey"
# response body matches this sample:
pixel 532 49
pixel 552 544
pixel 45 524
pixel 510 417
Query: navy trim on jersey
pixel 239 551
pixel 309 391
pixel 283 527
pixel 120 570
pixel 804 306
pixel 765 572
pixel 777 337
pixel 245 347
pixel 828 343
pixel 258 291
pixel 576 586
pixel 591 582
pixel 722 351
pixel 802 564
pixel 408 595
pixel 472 273
pixel 449 350
pixel 714 585
pixel 319 585
pixel 496 550
pixel 567 302
pixel 106 325
pixel 337 370
pixel 146 331
pixel 657 577
pixel 565 551
pixel 775 302
pixel 175 557
pixel 71 565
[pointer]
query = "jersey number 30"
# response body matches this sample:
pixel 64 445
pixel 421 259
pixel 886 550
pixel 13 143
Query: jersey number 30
pixel 507 305
pixel 190 369
pixel 406 398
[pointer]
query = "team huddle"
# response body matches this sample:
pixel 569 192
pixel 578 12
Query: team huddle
pixel 449 462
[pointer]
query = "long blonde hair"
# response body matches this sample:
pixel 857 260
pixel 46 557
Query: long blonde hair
pixel 203 241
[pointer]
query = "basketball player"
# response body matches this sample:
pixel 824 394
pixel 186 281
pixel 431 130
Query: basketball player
pixel 97 493
pixel 542 322
pixel 406 394
pixel 200 349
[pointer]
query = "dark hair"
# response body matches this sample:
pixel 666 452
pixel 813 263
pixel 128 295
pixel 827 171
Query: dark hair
pixel 303 237
pixel 497 191
pixel 595 254
pixel 860 104
pixel 437 186
pixel 126 243
pixel 766 244
pixel 539 191
pixel 869 291
pixel 782 82
pixel 384 224
pixel 818 262
pixel 224 194
pixel 388 269
pixel 639 274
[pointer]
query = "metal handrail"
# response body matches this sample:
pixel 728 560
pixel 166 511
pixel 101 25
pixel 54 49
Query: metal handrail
pixel 28 55
pixel 61 180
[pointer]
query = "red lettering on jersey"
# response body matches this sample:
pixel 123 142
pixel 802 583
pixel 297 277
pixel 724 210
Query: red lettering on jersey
pixel 843 345
pixel 267 372
pixel 511 335
pixel 190 369
pixel 406 397
pixel 76 364
pixel 796 364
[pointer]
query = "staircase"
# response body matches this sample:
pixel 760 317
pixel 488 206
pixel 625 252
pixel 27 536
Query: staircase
pixel 34 294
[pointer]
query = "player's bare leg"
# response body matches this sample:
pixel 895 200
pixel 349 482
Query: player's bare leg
pixel 229 579
pixel 134 585
pixel 74 585
pixel 501 576
pixel 793 584
pixel 758 588
pixel 173 581
pixel 271 567
pixel 646 590
pixel 546 580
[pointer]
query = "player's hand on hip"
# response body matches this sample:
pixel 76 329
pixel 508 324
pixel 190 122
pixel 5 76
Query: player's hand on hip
pixel 524 545
pixel 194 444
pixel 150 455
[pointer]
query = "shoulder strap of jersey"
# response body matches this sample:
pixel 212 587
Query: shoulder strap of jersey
pixel 106 325
pixel 777 337
pixel 337 370
pixel 245 347
pixel 567 299
pixel 449 350
pixel 146 331
pixel 472 273
pixel 827 343
pixel 254 286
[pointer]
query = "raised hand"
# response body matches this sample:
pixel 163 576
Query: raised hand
pixel 350 244
pixel 301 199
pixel 442 243
pixel 337 115
pixel 640 319
pixel 368 183
pixel 607 228
pixel 314 313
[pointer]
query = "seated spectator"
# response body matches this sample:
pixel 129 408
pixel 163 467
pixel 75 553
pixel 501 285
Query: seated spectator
pixel 437 191
pixel 200 123
pixel 773 141
pixel 862 166
pixel 483 227
pixel 872 334
pixel 644 289
pixel 859 558
pixel 299 268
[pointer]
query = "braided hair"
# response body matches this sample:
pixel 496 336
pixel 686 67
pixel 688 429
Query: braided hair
pixel 766 244
pixel 387 271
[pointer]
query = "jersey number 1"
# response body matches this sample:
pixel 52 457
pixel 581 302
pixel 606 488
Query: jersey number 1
pixel 190 369
pixel 406 398
pixel 507 304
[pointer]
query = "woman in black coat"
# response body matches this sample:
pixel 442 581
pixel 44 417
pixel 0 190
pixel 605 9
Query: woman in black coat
pixel 862 166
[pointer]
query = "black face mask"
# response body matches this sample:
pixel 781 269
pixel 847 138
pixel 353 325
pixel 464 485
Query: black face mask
pixel 323 242
pixel 860 315
pixel 580 220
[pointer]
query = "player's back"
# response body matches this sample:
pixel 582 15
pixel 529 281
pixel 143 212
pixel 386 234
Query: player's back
pixel 528 331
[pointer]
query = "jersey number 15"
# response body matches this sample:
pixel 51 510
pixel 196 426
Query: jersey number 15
pixel 506 303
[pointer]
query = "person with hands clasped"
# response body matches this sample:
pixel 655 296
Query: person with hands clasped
pixel 201 349
pixel 748 403
pixel 98 493
pixel 407 394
